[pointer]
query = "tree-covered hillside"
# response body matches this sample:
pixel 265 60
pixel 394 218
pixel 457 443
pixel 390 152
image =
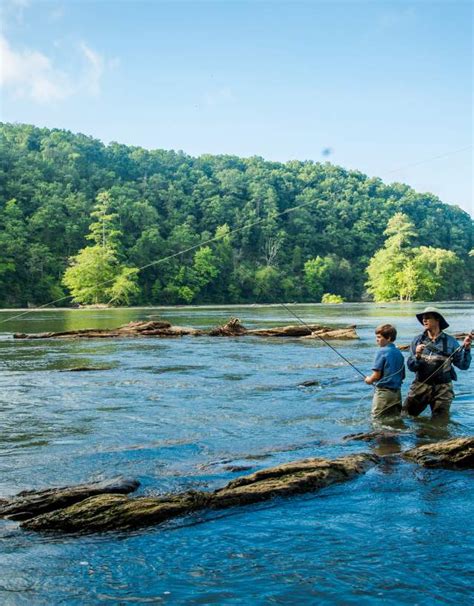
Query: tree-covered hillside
pixel 58 190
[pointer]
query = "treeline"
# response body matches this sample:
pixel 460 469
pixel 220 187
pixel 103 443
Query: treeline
pixel 69 201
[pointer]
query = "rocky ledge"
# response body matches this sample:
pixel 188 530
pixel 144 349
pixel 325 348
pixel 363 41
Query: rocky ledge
pixel 118 512
pixel 30 503
pixel 233 328
pixel 457 453
pixel 104 506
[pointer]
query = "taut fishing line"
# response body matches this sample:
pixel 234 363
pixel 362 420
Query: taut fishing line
pixel 233 231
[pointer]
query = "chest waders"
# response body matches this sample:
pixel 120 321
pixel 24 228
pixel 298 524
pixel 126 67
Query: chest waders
pixel 435 365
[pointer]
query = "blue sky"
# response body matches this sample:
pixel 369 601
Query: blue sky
pixel 385 86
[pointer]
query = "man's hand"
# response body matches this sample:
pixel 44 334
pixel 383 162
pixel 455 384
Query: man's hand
pixel 467 342
pixel 368 380
pixel 419 350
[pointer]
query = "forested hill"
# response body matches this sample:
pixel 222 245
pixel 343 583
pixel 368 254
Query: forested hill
pixel 58 187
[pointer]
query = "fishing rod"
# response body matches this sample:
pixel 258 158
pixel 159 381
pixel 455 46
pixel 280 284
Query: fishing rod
pixel 471 334
pixel 322 339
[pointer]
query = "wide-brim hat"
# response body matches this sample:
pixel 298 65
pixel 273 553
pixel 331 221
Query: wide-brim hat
pixel 433 310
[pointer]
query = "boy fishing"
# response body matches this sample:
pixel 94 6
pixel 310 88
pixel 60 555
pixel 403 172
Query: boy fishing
pixel 388 373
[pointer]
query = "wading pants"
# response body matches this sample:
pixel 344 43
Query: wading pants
pixel 386 402
pixel 421 395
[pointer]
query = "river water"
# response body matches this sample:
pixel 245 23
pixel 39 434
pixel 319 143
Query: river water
pixel 181 413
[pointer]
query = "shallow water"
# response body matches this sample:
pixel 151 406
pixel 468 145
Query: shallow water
pixel 179 414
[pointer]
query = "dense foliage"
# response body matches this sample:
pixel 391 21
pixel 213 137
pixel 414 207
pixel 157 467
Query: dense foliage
pixel 404 272
pixel 69 201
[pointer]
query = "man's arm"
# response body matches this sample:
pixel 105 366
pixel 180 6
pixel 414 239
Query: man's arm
pixel 462 357
pixel 416 349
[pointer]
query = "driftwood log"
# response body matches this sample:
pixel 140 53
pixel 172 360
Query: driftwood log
pixel 233 328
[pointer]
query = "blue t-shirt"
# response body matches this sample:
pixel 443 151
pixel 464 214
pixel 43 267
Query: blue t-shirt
pixel 389 361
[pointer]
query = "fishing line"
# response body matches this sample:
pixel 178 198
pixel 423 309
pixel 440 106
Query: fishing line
pixel 216 238
pixel 177 254
pixel 445 362
pixel 322 339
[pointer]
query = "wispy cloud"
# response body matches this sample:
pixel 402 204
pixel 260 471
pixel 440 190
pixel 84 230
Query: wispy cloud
pixel 56 13
pixel 94 69
pixel 31 74
pixel 396 18
pixel 219 96
pixel 13 11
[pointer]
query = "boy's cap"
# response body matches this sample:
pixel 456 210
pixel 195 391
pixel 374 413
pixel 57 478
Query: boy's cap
pixel 433 310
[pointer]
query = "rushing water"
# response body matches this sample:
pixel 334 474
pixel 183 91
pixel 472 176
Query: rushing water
pixel 179 414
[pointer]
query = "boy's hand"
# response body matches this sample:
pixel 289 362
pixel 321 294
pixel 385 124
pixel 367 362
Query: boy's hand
pixel 368 380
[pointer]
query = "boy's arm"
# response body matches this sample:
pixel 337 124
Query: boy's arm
pixel 377 368
pixel 375 376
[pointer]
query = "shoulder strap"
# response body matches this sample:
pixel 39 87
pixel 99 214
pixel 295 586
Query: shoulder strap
pixel 445 344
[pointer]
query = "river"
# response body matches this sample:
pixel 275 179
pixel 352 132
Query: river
pixel 181 413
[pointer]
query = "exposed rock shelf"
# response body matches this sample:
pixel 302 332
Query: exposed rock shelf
pixel 115 511
pixel 233 328
pixel 104 506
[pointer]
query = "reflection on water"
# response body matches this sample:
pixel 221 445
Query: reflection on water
pixel 194 413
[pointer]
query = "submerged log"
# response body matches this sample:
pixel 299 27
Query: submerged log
pixel 113 512
pixel 30 503
pixel 457 453
pixel 233 328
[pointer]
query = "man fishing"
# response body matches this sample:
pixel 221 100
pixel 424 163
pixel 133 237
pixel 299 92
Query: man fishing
pixel 433 355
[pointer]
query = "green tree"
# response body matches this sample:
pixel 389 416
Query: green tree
pixel 398 271
pixel 314 277
pixel 389 269
pixel 95 274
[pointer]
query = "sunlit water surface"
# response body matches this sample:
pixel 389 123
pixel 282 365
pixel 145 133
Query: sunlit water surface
pixel 179 414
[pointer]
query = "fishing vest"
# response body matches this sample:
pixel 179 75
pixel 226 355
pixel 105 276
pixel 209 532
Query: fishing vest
pixel 435 366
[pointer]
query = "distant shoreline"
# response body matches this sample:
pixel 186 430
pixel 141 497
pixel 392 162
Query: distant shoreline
pixel 232 305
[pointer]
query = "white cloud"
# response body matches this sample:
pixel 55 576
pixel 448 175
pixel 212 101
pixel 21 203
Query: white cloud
pixel 28 73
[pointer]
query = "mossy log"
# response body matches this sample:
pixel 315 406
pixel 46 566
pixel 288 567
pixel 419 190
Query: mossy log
pixel 233 328
pixel 457 453
pixel 30 503
pixel 114 512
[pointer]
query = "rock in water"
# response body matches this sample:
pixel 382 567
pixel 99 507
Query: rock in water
pixel 30 503
pixel 457 453
pixel 114 512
